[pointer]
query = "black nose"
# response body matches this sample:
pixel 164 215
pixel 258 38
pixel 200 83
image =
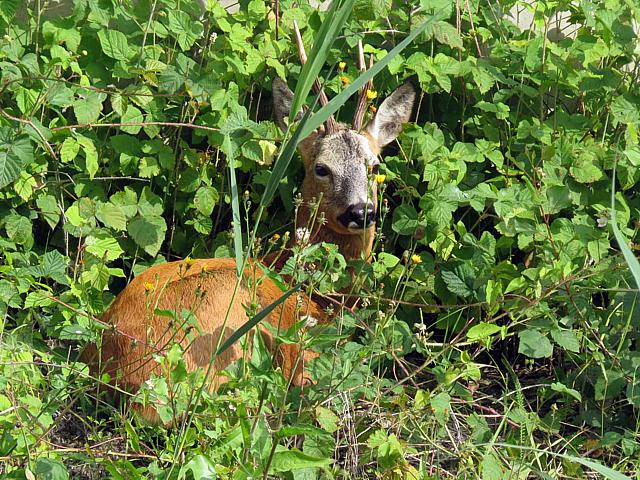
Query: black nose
pixel 360 215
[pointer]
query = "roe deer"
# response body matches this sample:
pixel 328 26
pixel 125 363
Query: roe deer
pixel 338 163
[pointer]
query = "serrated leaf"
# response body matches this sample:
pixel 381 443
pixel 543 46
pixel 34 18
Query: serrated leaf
pixel 482 331
pixel 205 200
pixel 585 169
pixel 39 298
pixel 202 225
pixel 114 44
pixel 562 388
pixel 25 185
pixel 455 284
pixel 111 215
pixel 49 209
pixel 15 153
pixel 150 204
pixel 566 339
pixel 131 115
pixel 148 232
pixel 90 155
pixel 625 110
pixel 103 246
pixel 405 220
pixel 19 229
pixel 327 419
pixel 447 34
pixel 534 344
pixel 289 460
pixel 87 107
pixel 69 150
pixel 127 200
pixel 184 29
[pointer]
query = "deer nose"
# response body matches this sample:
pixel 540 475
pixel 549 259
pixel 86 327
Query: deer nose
pixel 360 215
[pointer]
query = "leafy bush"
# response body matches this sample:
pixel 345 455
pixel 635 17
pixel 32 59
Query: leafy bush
pixel 497 325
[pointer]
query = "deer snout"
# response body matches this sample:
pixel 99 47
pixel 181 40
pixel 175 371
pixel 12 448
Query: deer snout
pixel 359 216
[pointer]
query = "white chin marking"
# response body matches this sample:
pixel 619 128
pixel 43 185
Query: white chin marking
pixel 355 228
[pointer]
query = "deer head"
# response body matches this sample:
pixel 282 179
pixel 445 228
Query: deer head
pixel 340 166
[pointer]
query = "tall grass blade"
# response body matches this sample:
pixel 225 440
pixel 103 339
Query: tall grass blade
pixel 629 257
pixel 256 319
pixel 606 472
pixel 332 25
pixel 334 104
pixel 235 205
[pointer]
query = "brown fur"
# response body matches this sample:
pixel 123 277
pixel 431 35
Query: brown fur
pixel 205 287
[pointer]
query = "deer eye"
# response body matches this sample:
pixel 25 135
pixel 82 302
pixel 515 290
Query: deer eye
pixel 321 171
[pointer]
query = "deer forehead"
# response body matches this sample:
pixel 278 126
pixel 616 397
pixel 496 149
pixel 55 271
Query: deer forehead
pixel 346 152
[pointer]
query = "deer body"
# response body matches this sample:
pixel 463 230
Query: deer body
pixel 337 171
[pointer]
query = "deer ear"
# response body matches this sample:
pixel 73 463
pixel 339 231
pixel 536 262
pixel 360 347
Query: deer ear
pixel 392 114
pixel 282 99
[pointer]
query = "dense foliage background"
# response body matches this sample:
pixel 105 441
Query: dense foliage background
pixel 502 322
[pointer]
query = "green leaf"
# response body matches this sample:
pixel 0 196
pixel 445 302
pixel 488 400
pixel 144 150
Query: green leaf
pixel 562 388
pixel 49 209
pixel 289 460
pixel 148 232
pixel 201 466
pixel 625 110
pixel 88 106
pixel 150 204
pixel 491 467
pixel 19 230
pixel 327 419
pixel 585 169
pixel 184 29
pixel 229 148
pixel 103 246
pixel 69 150
pixel 149 167
pixel 482 331
pixel 405 219
pixel 447 34
pixel 127 200
pixel 50 469
pixel 115 45
pixel 534 344
pixel 90 155
pixel 205 199
pixel 456 284
pixel 131 115
pixel 54 266
pixel 558 197
pixel 111 215
pixel 566 339
pixel 15 153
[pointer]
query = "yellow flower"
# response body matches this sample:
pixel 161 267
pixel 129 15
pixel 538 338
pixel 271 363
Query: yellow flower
pixel 372 94
pixel 415 258
pixel 275 237
pixel 342 65
pixel 205 268
pixel 149 287
pixel 345 80
pixel 189 261
pixel 380 178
